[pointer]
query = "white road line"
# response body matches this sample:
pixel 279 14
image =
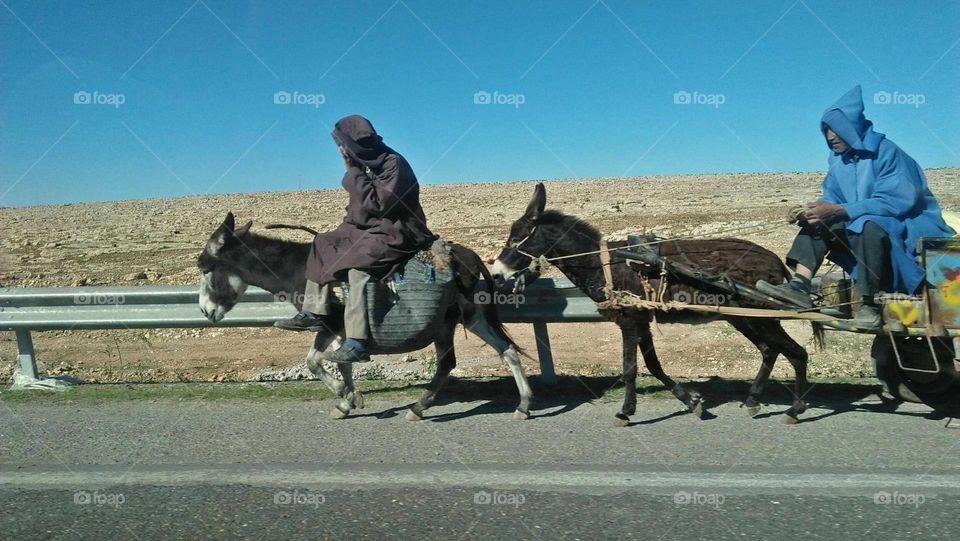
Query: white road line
pixel 431 477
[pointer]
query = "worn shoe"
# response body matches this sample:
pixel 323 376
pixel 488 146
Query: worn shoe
pixel 347 353
pixel 303 321
pixel 786 293
pixel 869 316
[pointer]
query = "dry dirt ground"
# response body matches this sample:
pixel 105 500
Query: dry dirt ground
pixel 157 241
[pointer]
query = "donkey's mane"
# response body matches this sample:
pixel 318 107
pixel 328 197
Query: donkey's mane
pixel 257 240
pixel 569 223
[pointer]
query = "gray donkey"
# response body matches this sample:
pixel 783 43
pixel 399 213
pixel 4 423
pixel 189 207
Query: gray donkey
pixel 236 257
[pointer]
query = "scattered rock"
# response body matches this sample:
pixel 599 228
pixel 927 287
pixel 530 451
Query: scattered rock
pixel 135 276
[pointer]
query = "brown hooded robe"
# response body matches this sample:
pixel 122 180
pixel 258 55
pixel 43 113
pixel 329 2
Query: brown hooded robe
pixel 385 223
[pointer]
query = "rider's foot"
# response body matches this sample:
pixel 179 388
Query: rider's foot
pixel 793 292
pixel 304 321
pixel 869 316
pixel 352 351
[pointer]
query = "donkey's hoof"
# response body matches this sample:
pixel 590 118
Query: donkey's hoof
pixel 413 416
pixel 752 411
pixel 620 421
pixel 337 413
pixel 697 409
pixel 790 419
pixel 521 415
pixel 358 400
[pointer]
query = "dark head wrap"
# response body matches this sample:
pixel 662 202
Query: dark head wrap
pixel 356 134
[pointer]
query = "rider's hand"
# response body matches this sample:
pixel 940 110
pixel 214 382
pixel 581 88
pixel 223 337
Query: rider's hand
pixel 821 212
pixel 793 215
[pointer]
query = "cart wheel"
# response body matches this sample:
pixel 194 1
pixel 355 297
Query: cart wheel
pixel 940 391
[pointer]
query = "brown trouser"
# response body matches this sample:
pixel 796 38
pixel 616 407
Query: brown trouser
pixel 320 299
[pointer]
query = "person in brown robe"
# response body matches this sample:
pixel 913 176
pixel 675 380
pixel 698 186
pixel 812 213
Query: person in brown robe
pixel 384 226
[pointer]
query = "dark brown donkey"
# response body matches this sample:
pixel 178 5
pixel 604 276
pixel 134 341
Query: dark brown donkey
pixel 555 235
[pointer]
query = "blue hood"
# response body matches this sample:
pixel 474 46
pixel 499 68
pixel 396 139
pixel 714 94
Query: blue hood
pixel 845 118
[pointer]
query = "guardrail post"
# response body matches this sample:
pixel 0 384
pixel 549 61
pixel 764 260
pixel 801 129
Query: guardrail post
pixel 28 359
pixel 547 374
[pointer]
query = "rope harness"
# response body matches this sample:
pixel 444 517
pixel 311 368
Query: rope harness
pixel 653 299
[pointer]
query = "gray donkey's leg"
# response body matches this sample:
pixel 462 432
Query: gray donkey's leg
pixel 351 397
pixel 343 388
pixel 478 325
pixel 446 361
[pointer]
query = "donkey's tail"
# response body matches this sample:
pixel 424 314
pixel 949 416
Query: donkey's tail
pixel 491 313
pixel 819 337
pixel 468 258
pixel 287 226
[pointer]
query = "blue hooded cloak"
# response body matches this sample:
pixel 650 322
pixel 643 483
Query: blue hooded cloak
pixel 876 181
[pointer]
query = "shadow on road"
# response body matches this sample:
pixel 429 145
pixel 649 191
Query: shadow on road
pixel 569 392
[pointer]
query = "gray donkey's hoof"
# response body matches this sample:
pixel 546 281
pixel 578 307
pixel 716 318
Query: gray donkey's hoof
pixel 412 416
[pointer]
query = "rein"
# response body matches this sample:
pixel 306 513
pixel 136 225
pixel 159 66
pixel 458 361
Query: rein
pixel 542 259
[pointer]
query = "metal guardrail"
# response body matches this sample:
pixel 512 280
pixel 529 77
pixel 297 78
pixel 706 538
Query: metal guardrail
pixel 23 310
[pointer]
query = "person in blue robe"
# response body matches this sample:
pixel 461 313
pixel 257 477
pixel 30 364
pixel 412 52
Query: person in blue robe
pixel 874 208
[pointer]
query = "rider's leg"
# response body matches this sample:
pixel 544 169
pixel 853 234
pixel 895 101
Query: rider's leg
pixel 354 348
pixel 872 250
pixel 318 311
pixel 355 317
pixel 874 272
pixel 807 253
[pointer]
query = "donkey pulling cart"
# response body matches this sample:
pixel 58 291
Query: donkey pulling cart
pixel 913 353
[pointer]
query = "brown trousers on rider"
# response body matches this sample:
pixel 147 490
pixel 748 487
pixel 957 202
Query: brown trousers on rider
pixel 320 299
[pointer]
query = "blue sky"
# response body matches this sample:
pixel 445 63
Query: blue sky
pixel 183 92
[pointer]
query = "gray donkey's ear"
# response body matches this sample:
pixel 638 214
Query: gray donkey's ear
pixel 538 203
pixel 228 222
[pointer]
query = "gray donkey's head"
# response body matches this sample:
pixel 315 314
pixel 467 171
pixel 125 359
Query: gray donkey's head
pixel 220 281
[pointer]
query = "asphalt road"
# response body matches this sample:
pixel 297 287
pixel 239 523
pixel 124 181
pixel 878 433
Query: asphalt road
pixel 280 469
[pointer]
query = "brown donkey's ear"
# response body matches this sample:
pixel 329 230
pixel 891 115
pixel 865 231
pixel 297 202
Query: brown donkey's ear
pixel 243 230
pixel 538 203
